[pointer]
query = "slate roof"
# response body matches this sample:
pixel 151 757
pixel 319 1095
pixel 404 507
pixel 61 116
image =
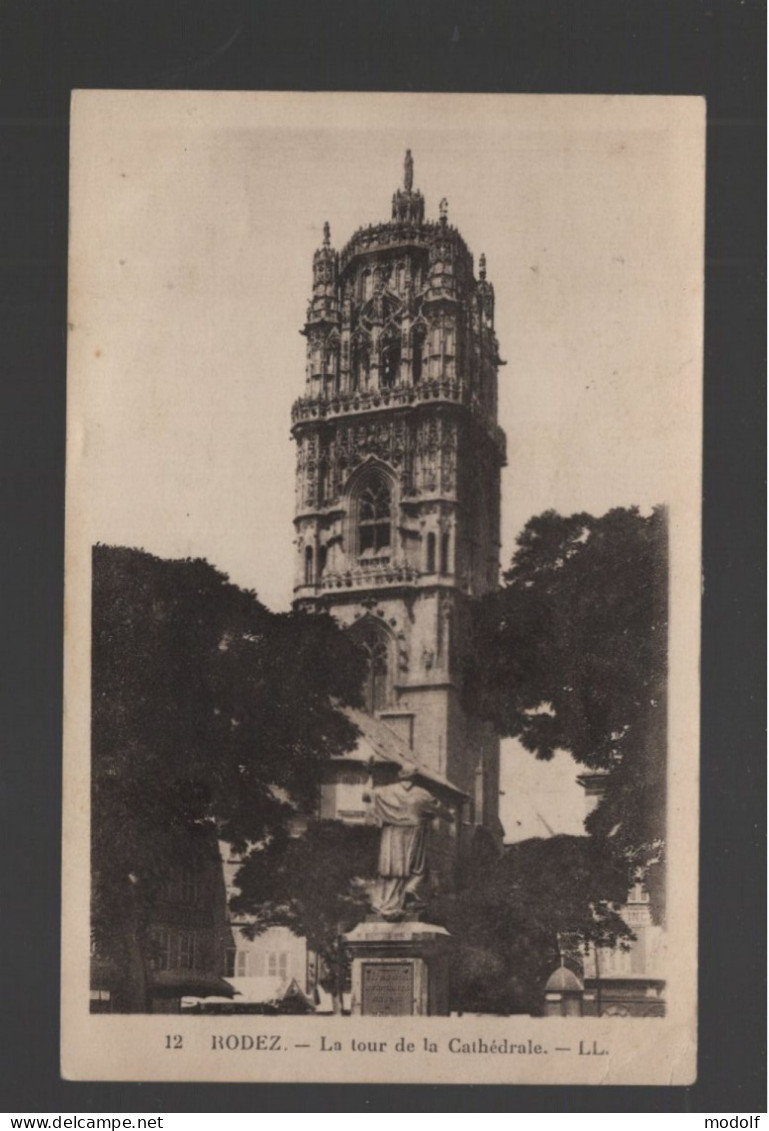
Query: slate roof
pixel 380 742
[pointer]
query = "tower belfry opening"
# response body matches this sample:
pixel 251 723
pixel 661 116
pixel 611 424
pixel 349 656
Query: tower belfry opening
pixel 398 481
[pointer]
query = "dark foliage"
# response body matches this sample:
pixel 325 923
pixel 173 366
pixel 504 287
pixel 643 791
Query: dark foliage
pixel 512 921
pixel 211 718
pixel 315 884
pixel 571 653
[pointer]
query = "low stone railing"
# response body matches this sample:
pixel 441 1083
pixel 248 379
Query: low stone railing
pixel 376 572
pixel 394 233
pixel 441 390
pixel 315 408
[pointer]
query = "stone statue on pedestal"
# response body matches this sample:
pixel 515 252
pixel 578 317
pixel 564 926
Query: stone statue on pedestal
pixel 403 812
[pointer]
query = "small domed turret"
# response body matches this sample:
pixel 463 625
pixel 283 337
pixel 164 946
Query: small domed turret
pixel 563 981
pixel 563 993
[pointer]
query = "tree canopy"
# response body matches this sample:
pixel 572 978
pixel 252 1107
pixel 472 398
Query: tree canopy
pixel 512 921
pixel 211 718
pixel 571 653
pixel 315 884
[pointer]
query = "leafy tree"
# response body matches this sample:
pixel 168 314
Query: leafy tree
pixel 316 885
pixel 571 654
pixel 513 921
pixel 211 718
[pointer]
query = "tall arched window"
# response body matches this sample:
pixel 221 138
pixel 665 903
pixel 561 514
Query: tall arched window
pixel 360 363
pixel 366 284
pixel 364 364
pixel 391 359
pixel 434 347
pixel 308 566
pixel 374 515
pixel 376 689
pixel 332 362
pixel 417 352
pixel 323 476
pixel 445 553
pixel 431 553
pixel 316 357
pixel 322 560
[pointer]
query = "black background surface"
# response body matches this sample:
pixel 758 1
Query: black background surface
pixel 710 47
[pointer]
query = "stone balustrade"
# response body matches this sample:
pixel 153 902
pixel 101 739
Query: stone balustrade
pixel 375 572
pixel 393 234
pixel 447 390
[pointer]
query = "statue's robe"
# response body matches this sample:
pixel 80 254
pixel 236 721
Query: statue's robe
pixel 403 812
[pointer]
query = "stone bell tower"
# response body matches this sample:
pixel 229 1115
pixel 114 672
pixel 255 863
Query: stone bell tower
pixel 398 476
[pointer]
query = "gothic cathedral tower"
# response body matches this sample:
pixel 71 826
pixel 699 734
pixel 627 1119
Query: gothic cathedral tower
pixel 398 477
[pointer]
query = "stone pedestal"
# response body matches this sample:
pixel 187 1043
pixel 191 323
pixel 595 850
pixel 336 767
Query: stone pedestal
pixel 399 969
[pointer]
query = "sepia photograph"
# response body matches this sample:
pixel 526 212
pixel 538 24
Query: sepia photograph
pixel 382 587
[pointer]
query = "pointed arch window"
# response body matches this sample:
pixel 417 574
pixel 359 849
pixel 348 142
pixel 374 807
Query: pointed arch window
pixel 316 357
pixel 376 688
pixel 431 553
pixel 374 515
pixel 308 579
pixel 391 360
pixel 361 362
pixel 417 351
pixel 445 552
pixel 332 361
pixel 366 284
pixel 324 481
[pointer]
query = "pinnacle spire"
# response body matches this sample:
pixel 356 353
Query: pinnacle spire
pixel 482 266
pixel 408 171
pixel 408 203
pixel 326 234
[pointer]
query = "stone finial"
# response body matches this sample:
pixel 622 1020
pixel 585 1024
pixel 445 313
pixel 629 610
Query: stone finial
pixel 482 267
pixel 444 210
pixel 408 204
pixel 408 171
pixel 326 234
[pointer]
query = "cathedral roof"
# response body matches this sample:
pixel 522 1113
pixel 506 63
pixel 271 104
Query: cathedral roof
pixel 379 742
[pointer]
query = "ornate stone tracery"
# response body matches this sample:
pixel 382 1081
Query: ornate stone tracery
pixel 398 463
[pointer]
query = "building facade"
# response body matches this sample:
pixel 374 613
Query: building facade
pixel 185 955
pixel 629 981
pixel 625 980
pixel 397 517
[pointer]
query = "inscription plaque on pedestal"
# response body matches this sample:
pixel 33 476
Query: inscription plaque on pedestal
pixel 388 988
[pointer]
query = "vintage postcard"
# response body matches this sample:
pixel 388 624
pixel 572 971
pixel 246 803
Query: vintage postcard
pixel 382 588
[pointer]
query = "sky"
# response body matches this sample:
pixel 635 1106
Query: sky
pixel 194 218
